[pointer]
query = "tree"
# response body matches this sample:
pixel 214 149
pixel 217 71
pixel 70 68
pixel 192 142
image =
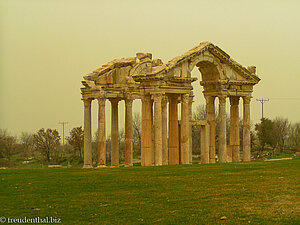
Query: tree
pixel 136 123
pixel 198 114
pixel 27 142
pixel 76 140
pixel 265 132
pixel 7 144
pixel 294 135
pixel 46 142
pixel 281 129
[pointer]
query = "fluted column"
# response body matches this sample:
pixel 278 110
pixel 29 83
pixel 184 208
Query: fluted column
pixel 157 130
pixel 185 131
pixel 210 117
pixel 234 128
pixel 128 132
pixel 246 129
pixel 114 133
pixel 190 129
pixel 101 133
pixel 222 129
pixel 146 132
pixel 173 130
pixel 164 131
pixel 88 161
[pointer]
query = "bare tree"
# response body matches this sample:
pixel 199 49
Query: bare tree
pixel 198 114
pixel 76 140
pixel 27 142
pixel 7 144
pixel 294 135
pixel 136 123
pixel 47 142
pixel 280 132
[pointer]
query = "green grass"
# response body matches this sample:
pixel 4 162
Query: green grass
pixel 246 193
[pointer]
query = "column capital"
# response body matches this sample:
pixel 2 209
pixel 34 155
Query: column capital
pixel 114 101
pixel 185 98
pixel 87 102
pixel 246 99
pixel 173 97
pixel 157 97
pixel 222 99
pixel 146 98
pixel 209 99
pixel 128 101
pixel 101 101
pixel 234 100
pixel 164 99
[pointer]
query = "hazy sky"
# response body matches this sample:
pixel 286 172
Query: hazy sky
pixel 46 46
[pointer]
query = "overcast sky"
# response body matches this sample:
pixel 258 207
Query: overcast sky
pixel 46 46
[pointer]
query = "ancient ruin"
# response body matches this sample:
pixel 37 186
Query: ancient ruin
pixel 161 87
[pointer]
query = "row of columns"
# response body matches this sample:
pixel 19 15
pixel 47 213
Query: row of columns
pixel 158 149
pixel 101 148
pixel 232 153
pixel 154 149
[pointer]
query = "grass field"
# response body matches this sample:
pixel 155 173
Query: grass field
pixel 245 193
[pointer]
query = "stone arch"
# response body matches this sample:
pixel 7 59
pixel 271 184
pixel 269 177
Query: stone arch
pixel 209 66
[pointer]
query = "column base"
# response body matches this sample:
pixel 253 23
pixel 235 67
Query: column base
pixel 87 167
pixel 101 166
pixel 130 165
pixel 114 166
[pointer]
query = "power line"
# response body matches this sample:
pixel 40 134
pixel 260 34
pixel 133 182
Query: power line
pixel 262 105
pixel 63 124
pixel 285 98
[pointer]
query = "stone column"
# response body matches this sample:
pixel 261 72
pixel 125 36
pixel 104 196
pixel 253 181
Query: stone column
pixel 210 117
pixel 246 129
pixel 164 131
pixel 222 129
pixel 88 160
pixel 146 132
pixel 101 133
pixel 185 130
pixel 204 138
pixel 157 130
pixel 190 129
pixel 114 133
pixel 173 131
pixel 234 128
pixel 128 133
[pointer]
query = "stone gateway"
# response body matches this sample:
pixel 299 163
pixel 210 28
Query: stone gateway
pixel 159 84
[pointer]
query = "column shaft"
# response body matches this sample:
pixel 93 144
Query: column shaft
pixel 158 130
pixel 114 133
pixel 101 133
pixel 204 139
pixel 173 131
pixel 128 133
pixel 234 128
pixel 88 161
pixel 190 130
pixel 146 142
pixel 246 129
pixel 184 127
pixel 164 131
pixel 222 129
pixel 210 116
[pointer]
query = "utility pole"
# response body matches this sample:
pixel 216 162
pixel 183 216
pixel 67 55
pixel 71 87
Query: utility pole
pixel 262 105
pixel 63 124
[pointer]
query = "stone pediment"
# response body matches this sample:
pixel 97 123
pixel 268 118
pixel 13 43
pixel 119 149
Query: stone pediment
pixel 213 63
